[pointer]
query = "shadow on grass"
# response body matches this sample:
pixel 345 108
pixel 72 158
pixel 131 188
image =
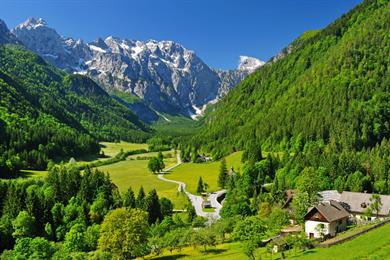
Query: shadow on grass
pixel 211 251
pixel 28 174
pixel 307 252
pixel 25 174
pixel 177 256
pixel 215 251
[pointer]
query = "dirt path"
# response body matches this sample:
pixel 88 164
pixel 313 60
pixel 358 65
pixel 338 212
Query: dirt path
pixel 196 200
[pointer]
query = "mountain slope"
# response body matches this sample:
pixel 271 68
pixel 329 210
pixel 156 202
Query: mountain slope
pixel 46 113
pixel 164 75
pixel 331 85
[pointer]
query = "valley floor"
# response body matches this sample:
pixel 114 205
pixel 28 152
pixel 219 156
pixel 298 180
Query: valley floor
pixel 190 173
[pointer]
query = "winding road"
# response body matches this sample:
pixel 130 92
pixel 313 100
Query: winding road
pixel 196 200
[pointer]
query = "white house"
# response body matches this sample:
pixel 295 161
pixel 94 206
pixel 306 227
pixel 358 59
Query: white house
pixel 326 220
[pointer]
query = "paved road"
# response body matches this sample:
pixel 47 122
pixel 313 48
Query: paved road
pixel 196 201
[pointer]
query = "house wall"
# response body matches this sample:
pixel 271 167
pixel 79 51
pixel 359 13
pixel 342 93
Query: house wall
pixel 330 229
pixel 310 227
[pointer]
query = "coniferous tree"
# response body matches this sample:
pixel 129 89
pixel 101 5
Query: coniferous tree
pixel 223 176
pixel 129 200
pixel 200 187
pixel 166 207
pixel 141 198
pixel 153 206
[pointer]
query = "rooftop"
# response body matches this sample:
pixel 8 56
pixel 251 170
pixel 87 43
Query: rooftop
pixel 331 210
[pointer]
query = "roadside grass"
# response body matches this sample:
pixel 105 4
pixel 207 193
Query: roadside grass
pixel 189 173
pixel 135 173
pixel 208 210
pixel 112 149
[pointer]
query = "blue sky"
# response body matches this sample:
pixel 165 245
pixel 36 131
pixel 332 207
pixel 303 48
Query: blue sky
pixel 219 31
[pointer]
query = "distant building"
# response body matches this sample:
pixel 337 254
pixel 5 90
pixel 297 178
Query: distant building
pixel 205 158
pixel 206 204
pixel 326 220
pixel 357 203
pixel 289 195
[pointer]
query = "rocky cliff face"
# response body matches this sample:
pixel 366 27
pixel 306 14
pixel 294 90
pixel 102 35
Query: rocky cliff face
pixel 167 77
pixel 5 35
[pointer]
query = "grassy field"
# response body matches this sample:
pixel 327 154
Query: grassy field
pixel 112 149
pixel 32 173
pixel 135 173
pixel 152 154
pixel 373 245
pixel 226 251
pixel 109 149
pixel 190 172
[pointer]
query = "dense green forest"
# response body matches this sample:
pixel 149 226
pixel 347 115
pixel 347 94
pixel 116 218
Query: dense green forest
pixel 46 114
pixel 326 105
pixel 70 207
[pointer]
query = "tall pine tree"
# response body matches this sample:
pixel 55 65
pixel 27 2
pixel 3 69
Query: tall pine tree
pixel 153 207
pixel 223 174
pixel 200 187
pixel 129 199
pixel 140 203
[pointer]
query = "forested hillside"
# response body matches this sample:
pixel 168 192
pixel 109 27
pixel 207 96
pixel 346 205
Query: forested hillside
pixel 46 113
pixel 327 103
pixel 334 86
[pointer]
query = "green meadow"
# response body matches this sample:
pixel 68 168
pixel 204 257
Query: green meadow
pixel 227 251
pixel 191 172
pixel 112 149
pixel 373 245
pixel 135 173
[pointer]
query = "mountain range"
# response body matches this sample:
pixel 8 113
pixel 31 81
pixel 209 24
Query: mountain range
pixel 47 113
pixel 150 77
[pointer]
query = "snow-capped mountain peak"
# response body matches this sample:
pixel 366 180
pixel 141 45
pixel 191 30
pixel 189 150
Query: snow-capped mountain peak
pixel 164 74
pixel 249 64
pixel 32 23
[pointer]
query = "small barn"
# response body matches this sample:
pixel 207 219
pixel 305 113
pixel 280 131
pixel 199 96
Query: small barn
pixel 326 220
pixel 206 204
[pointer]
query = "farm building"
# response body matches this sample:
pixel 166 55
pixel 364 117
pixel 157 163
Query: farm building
pixel 326 220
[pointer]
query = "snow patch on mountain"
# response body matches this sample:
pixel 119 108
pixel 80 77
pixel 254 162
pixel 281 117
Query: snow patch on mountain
pixel 166 76
pixel 249 64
